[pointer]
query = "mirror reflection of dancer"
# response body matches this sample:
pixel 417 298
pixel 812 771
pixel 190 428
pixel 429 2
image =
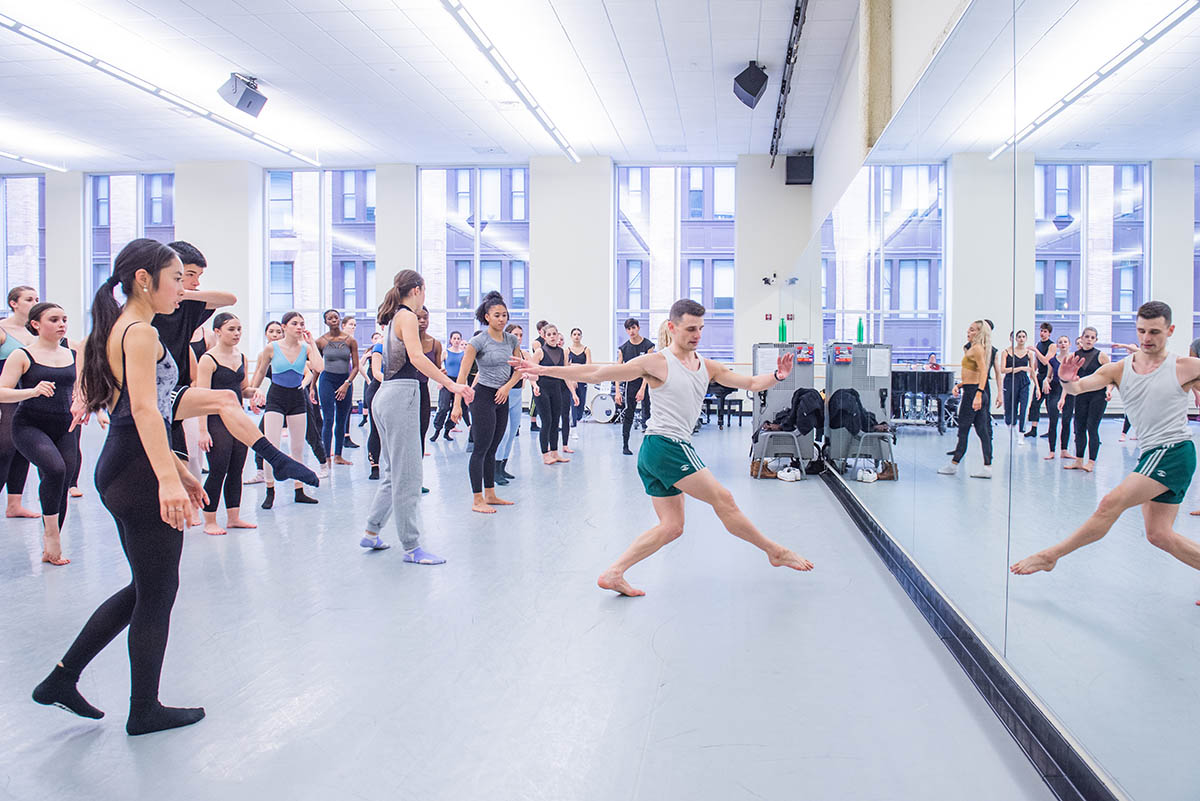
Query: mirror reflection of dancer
pixel 972 394
pixel 667 463
pixel 629 350
pixel 1155 387
pixel 1056 400
pixel 514 414
pixel 579 353
pixel 1089 406
pixel 14 468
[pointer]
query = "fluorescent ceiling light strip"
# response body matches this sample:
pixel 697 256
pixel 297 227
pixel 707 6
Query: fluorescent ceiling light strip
pixel 26 160
pixel 148 88
pixel 1156 32
pixel 476 34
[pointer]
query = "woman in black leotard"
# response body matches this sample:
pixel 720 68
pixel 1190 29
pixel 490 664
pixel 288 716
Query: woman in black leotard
pixel 1018 373
pixel 568 391
pixel 223 367
pixel 1089 406
pixel 1055 398
pixel 550 400
pixel 578 353
pixel 148 490
pixel 13 466
pixel 41 378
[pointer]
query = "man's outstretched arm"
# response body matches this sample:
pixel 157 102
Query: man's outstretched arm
pixel 588 373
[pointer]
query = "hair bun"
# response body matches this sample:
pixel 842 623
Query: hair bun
pixel 493 295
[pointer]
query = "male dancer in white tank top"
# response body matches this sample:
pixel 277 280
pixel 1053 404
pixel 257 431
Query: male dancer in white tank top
pixel 667 463
pixel 1155 389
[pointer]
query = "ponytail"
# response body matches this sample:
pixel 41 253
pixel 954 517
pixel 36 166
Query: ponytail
pixel 490 300
pixel 98 381
pixel 404 283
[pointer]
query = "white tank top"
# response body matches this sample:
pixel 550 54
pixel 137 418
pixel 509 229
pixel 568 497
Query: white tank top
pixel 1156 404
pixel 675 406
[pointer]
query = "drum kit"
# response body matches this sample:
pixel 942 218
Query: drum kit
pixel 601 405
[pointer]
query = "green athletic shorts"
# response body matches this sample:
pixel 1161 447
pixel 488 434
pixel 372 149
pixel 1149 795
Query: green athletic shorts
pixel 1172 466
pixel 664 460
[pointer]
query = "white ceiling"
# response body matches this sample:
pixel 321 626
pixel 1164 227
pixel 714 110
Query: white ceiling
pixel 360 82
pixel 971 99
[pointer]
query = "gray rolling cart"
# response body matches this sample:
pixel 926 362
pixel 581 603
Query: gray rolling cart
pixel 866 368
pixel 766 405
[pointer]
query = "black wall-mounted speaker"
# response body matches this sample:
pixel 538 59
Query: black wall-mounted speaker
pixel 750 85
pixel 799 170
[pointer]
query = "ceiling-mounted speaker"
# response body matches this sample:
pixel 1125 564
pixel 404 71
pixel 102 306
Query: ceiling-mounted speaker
pixel 750 85
pixel 799 170
pixel 241 92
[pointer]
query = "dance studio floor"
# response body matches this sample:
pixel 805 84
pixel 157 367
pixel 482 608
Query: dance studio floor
pixel 331 673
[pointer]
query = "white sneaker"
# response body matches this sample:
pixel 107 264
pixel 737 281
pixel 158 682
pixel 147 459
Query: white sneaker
pixel 323 471
pixel 788 474
pixel 867 476
pixel 983 472
pixel 258 478
pixel 948 470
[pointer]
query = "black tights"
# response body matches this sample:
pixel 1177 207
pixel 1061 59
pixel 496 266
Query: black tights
pixel 48 444
pixel 1089 408
pixel 312 432
pixel 13 466
pixel 1052 412
pixel 129 490
pixel 631 407
pixel 226 459
pixel 549 409
pixel 442 421
pixel 373 441
pixel 491 421
pixel 426 411
pixel 981 420
pixel 1068 414
pixel 564 423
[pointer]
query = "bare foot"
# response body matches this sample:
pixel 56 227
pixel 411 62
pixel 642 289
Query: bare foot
pixel 1051 456
pixel 483 508
pixel 52 550
pixel 1075 465
pixel 21 511
pixel 75 492
pixel 568 450
pixel 492 500
pixel 785 557
pixel 548 459
pixel 1195 513
pixel 617 583
pixel 563 458
pixel 1032 564
pixel 214 529
pixel 1088 466
pixel 340 460
pixel 58 560
pixel 238 522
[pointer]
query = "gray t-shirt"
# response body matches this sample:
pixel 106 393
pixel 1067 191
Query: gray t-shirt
pixel 492 357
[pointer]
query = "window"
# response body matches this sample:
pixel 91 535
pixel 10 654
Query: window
pixel 281 286
pixel 100 187
pixel 634 287
pixel 1039 193
pixel 908 188
pixel 1039 285
pixel 349 202
pixel 155 216
pixel 370 196
pixel 369 281
pixel 723 284
pixel 1127 190
pixel 489 277
pixel 489 194
pixel 1126 294
pixel 23 233
pixel 1062 191
pixel 696 280
pixel 695 193
pixel 474 239
pixel 1062 285
pixel 723 193
pixel 463 282
pixel 635 191
pixel 464 193
pixel 349 272
pixel 886 199
pixel 280 201
pixel 518 195
pixel 518 301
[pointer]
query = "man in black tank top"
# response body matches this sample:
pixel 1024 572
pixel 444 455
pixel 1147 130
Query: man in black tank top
pixel 1045 348
pixel 634 391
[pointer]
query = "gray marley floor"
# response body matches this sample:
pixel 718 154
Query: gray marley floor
pixel 332 673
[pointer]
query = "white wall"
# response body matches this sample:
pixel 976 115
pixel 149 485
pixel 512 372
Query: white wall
pixel 1172 203
pixel 395 226
pixel 66 280
pixel 219 208
pixel 772 227
pixel 571 247
pixel 918 29
pixel 982 246
pixel 841 141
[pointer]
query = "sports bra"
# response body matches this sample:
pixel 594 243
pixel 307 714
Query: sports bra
pixel 166 374
pixel 337 357
pixel 64 381
pixel 225 378
pixel 285 373
pixel 970 362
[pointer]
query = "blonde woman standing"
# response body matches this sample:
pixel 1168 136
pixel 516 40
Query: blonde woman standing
pixel 972 404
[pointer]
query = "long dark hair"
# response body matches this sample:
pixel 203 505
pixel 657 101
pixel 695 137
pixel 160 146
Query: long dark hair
pixel 490 300
pixel 36 312
pixel 404 282
pixel 98 382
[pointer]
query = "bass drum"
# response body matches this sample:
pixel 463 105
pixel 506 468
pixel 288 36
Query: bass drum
pixel 602 408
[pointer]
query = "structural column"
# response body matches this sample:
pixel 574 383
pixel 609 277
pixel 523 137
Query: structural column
pixel 219 208
pixel 66 271
pixel 396 234
pixel 1172 243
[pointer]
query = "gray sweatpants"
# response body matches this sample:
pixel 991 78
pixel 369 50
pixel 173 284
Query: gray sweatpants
pixel 396 409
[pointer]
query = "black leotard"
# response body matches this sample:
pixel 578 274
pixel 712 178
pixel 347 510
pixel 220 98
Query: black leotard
pixel 41 433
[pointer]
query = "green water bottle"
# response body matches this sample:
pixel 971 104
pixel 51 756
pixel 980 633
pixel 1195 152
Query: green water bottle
pixel 860 329
pixel 782 329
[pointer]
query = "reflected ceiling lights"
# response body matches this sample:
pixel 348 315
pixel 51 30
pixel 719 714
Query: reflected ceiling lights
pixel 1156 32
pixel 471 28
pixel 149 88
pixel 4 154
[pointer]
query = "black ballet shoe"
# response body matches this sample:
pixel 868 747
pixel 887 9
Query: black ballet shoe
pixel 504 470
pixel 626 451
pixel 374 476
pixel 500 479
pixel 146 717
pixel 285 467
pixel 349 443
pixel 58 689
pixel 269 500
pixel 436 434
pixel 302 498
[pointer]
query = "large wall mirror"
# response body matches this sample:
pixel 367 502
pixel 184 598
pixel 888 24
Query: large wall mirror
pixel 1042 177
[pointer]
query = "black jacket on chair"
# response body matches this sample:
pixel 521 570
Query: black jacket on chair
pixel 807 412
pixel 846 411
